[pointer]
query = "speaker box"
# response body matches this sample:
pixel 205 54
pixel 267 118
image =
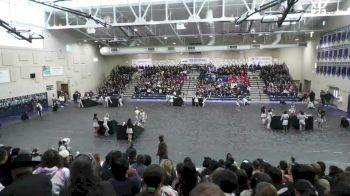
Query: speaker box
pixel 32 75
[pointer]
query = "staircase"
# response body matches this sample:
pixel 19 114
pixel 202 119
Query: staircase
pixel 130 87
pixel 256 87
pixel 189 86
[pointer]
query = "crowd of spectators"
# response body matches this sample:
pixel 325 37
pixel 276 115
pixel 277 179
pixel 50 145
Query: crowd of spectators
pixel 160 80
pixel 57 172
pixel 117 81
pixel 226 81
pixel 278 81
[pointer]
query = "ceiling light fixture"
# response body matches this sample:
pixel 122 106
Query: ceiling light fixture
pixel 135 30
pixel 311 34
pixel 96 41
pixel 296 39
pixel 211 36
pixel 85 40
pixel 174 43
pixel 254 40
pixel 323 23
pixel 165 37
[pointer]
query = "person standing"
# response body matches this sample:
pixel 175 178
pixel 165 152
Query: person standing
pixel 263 115
pixel 284 119
pixel 171 99
pixel 321 118
pixel 39 108
pixel 323 97
pixel 80 102
pixel 105 123
pixel 312 97
pixel 120 100
pixel 129 130
pixel 269 118
pixel 95 124
pixel 137 116
pixel 196 101
pixel 302 117
pixel 107 101
pixel 162 149
pixel 143 117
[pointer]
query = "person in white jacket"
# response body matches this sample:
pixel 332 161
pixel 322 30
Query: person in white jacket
pixel 107 101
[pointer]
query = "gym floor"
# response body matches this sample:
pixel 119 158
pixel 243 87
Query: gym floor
pixel 196 132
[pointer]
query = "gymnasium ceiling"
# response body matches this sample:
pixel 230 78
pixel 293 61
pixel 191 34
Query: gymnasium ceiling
pixel 191 22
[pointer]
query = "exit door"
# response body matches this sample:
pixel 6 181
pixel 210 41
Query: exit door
pixel 64 88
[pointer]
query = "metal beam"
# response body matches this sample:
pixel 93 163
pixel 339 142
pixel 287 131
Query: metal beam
pixel 188 10
pixel 246 5
pixel 48 18
pixel 325 4
pixel 144 14
pixel 132 9
pixel 199 33
pixel 177 35
pixel 200 9
pixel 153 34
pixel 91 37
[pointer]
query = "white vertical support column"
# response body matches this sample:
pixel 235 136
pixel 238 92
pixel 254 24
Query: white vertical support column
pixel 194 8
pixel 114 16
pixel 223 9
pixel 166 10
pixel 319 5
pixel 139 8
pixel 254 4
pixel 67 19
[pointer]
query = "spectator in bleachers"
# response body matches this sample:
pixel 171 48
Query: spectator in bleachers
pixel 117 81
pixel 85 180
pixel 227 81
pixel 204 189
pixel 122 183
pixel 188 179
pixel 278 81
pixel 160 80
pixel 24 181
pixel 52 166
pixel 139 165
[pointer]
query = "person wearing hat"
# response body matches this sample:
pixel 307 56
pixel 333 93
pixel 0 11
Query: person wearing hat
pixel 26 183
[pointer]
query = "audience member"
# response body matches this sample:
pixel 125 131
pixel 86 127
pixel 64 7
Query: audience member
pixel 278 80
pixel 24 181
pixel 52 166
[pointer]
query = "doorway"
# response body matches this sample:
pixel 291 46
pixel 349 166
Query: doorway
pixel 65 88
pixel 307 85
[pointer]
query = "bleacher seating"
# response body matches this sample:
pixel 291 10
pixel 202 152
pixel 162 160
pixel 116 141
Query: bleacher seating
pixel 229 81
pixel 157 81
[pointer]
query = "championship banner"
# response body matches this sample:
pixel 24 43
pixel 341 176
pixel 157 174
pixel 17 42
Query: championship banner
pixel 195 61
pixel 52 71
pixel 260 60
pixel 141 62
